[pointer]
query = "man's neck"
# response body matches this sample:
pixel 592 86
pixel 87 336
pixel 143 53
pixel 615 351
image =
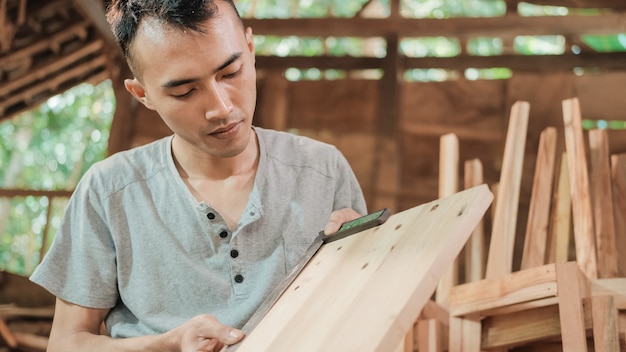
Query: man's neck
pixel 193 163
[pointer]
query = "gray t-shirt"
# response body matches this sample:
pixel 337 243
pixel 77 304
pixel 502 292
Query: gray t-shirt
pixel 135 240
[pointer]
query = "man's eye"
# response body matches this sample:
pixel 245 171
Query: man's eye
pixel 232 74
pixel 184 95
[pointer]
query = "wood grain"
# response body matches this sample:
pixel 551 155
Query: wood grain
pixel 602 203
pixel 535 241
pixel 474 252
pixel 364 292
pixel 579 187
pixel 448 185
pixel 618 176
pixel 501 247
pixel 605 324
pixel 561 217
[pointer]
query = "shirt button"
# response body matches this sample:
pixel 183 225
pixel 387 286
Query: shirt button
pixel 211 216
pixel 234 253
pixel 238 279
pixel 224 234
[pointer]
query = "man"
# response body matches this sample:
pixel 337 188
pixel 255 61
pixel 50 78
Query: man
pixel 175 244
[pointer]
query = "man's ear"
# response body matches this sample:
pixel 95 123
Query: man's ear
pixel 134 87
pixel 250 41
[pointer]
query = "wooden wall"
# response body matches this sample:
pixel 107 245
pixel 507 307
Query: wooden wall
pixel 401 170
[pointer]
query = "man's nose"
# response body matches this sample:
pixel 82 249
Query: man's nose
pixel 219 103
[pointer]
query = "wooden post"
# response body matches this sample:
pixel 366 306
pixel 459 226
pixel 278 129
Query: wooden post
pixel 535 242
pixel 605 324
pixel 7 335
pixel 561 217
pixel 618 175
pixel 572 287
pixel 475 249
pixel 448 185
pixel 602 197
pixel 500 257
pixel 579 187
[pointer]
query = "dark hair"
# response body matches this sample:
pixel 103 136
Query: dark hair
pixel 124 17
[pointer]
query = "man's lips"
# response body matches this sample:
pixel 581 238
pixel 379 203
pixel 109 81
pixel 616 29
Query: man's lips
pixel 226 132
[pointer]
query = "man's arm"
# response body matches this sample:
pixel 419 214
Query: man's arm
pixel 77 328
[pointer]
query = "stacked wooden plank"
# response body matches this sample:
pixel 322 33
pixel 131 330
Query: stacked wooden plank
pixel 552 303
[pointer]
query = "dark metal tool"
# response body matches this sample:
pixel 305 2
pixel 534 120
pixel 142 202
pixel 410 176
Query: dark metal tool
pixel 346 229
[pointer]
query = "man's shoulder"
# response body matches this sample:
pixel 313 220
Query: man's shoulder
pixel 287 142
pixel 128 166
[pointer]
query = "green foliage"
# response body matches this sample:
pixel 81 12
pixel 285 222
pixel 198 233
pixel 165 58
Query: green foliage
pixel 49 148
pixel 300 8
pixel 452 8
pixel 606 43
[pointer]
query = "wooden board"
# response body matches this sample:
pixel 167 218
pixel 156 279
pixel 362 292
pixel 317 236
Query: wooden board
pixel 561 217
pixel 618 176
pixel 579 188
pixel 363 293
pixel 448 185
pixel 474 252
pixel 602 202
pixel 501 247
pixel 538 218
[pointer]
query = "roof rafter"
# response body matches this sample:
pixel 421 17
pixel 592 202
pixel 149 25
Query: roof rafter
pixel 454 27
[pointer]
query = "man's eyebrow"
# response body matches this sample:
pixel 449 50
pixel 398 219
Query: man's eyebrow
pixel 180 82
pixel 230 60
pixel 176 83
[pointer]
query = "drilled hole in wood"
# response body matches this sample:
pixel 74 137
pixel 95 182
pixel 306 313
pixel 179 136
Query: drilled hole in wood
pixel 434 207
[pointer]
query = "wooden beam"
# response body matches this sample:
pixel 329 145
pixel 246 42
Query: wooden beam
pixel 61 36
pixel 560 216
pixel 52 84
pixel 618 176
pixel 572 287
pixel 586 255
pixel 430 334
pixel 335 302
pixel 536 239
pixel 593 4
pixel 93 10
pixel 448 185
pixel 605 324
pixel 510 330
pixel 474 252
pixel 602 201
pixel 451 27
pixel 533 63
pixel 43 72
pixel 530 63
pixel 502 245
pixel 390 86
pixel 518 287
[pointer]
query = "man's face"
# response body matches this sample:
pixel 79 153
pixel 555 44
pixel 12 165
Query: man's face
pixel 203 85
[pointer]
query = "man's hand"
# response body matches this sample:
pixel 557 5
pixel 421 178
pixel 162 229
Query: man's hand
pixel 204 333
pixel 77 328
pixel 337 218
